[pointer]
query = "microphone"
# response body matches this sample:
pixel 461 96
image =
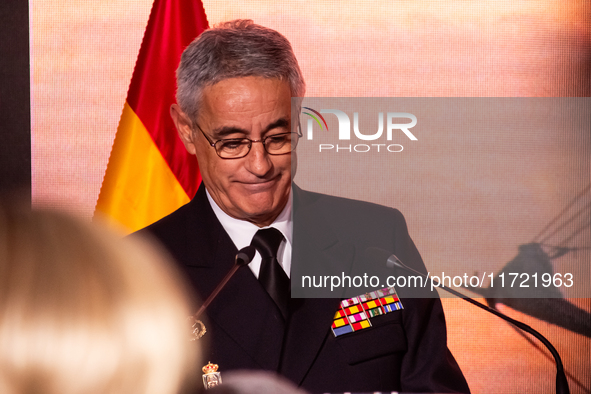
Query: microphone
pixel 243 257
pixel 377 254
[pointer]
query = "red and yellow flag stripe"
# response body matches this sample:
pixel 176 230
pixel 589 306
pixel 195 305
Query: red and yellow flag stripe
pixel 150 174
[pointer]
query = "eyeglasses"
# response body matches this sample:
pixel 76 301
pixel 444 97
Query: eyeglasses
pixel 236 148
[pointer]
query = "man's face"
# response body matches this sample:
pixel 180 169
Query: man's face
pixel 256 187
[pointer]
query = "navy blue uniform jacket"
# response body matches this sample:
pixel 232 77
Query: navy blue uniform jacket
pixel 403 351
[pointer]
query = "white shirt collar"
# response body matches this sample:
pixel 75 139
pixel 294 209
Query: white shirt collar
pixel 241 233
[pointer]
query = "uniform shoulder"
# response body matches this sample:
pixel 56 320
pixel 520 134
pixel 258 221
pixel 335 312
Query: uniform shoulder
pixel 175 219
pixel 346 206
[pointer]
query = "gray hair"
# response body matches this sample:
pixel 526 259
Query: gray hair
pixel 238 48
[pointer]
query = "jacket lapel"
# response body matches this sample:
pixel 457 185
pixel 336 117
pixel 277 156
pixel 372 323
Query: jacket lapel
pixel 242 310
pixel 311 318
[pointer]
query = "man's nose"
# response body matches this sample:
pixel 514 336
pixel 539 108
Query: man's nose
pixel 258 160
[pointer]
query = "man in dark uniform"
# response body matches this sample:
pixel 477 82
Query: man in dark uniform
pixel 235 84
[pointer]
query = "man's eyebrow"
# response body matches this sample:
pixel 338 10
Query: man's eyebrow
pixel 228 130
pixel 278 124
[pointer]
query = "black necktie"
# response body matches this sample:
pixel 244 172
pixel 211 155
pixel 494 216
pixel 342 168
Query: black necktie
pixel 272 276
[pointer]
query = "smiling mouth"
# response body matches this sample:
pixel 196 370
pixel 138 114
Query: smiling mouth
pixel 263 181
pixel 261 184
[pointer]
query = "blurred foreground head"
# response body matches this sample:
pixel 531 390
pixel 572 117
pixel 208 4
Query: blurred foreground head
pixel 82 311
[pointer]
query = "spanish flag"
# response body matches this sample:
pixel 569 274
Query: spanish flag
pixel 150 174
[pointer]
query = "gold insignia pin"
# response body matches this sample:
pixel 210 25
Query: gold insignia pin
pixel 211 378
pixel 197 328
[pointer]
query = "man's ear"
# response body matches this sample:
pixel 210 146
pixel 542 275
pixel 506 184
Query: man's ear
pixel 183 127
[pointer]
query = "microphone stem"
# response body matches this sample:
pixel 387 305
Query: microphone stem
pixel 561 381
pixel 216 291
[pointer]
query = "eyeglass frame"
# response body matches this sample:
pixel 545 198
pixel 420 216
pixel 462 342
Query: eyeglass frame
pixel 262 141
